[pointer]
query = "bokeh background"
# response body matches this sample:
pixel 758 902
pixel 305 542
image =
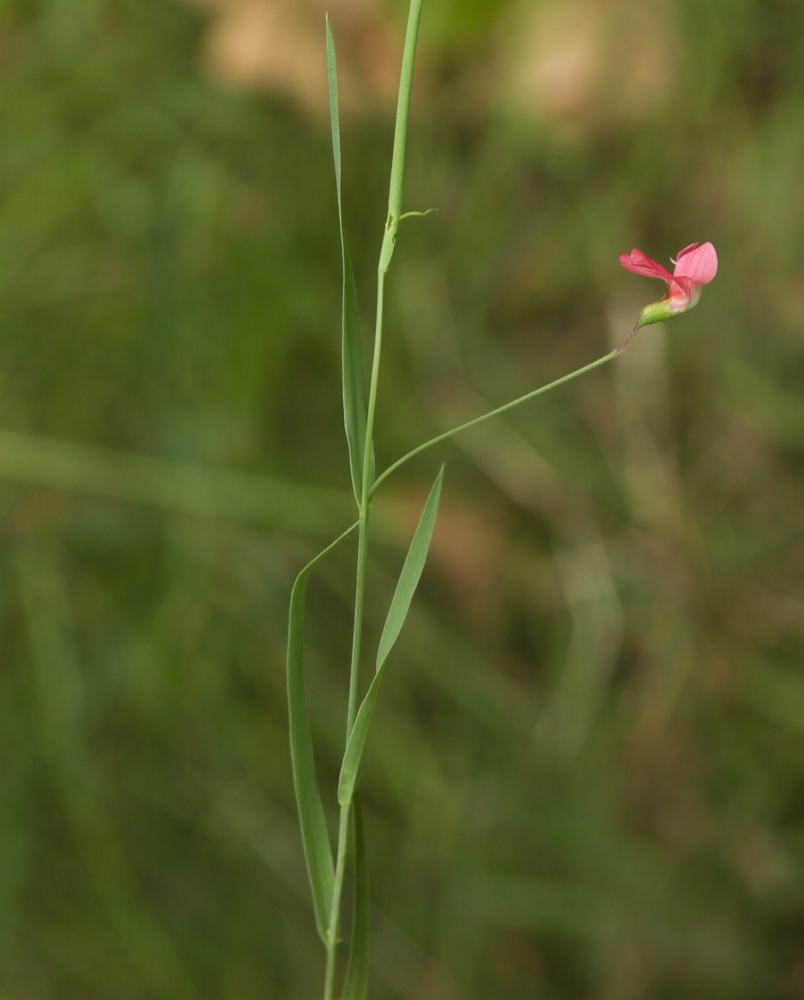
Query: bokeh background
pixel 584 777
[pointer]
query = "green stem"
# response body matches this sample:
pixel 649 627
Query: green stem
pixel 386 253
pixel 332 937
pixel 403 109
pixel 476 421
pixel 365 496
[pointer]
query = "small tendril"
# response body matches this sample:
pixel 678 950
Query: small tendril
pixel 417 215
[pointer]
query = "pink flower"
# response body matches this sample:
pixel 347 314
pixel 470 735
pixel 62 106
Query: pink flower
pixel 695 266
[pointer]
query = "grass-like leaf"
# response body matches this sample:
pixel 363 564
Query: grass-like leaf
pixel 355 403
pixel 315 838
pixel 400 604
pixel 355 986
pixel 411 572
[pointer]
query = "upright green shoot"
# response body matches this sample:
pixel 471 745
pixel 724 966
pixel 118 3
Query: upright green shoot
pixel 326 875
pixel 386 253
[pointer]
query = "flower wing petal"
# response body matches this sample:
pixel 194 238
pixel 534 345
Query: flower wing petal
pixel 639 263
pixel 680 292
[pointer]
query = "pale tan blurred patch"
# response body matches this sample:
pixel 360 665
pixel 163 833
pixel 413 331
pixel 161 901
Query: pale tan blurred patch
pixel 585 66
pixel 468 550
pixel 278 45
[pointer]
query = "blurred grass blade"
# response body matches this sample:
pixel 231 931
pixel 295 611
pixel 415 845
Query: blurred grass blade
pixel 200 490
pixel 315 838
pixel 355 403
pixel 356 985
pixel 400 605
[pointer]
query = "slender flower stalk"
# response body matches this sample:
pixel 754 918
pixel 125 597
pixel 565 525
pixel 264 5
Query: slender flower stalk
pixel 496 412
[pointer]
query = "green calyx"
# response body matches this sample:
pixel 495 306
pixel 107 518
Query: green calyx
pixel 656 312
pixel 667 308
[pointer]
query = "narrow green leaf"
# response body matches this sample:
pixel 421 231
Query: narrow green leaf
pixel 334 113
pixel 400 604
pixel 315 838
pixel 355 403
pixel 411 572
pixel 355 986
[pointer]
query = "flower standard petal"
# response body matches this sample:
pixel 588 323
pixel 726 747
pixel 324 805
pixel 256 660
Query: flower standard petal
pixel 697 263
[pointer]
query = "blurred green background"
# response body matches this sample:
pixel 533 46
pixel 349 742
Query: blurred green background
pixel 583 779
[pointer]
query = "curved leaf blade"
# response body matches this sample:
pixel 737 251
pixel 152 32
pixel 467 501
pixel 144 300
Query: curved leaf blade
pixel 355 401
pixel 355 986
pixel 411 572
pixel 315 837
pixel 356 744
pixel 397 613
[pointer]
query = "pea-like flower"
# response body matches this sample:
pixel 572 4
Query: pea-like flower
pixel 694 267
